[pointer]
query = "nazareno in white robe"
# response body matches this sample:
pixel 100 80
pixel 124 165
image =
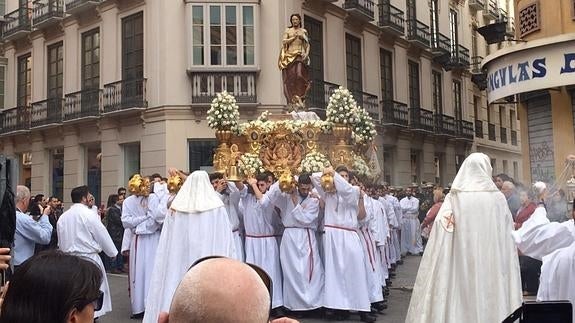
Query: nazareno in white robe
pixel 367 232
pixel 198 227
pixel 303 275
pixel 344 262
pixel 81 233
pixel 470 269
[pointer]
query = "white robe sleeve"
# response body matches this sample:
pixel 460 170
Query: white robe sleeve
pixel 542 240
pixel 316 180
pixel 271 196
pixel 307 212
pixel 102 237
pixel 130 217
pixel 126 240
pixel 349 193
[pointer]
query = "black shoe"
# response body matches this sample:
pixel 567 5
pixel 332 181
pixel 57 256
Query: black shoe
pixel 400 262
pixel 367 317
pixel 138 316
pixel 277 312
pixel 378 306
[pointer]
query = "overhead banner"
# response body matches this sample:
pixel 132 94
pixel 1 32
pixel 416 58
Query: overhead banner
pixel 531 69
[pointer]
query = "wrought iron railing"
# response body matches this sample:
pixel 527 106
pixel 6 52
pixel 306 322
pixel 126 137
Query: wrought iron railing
pixel 369 103
pixel 392 17
pixel 493 8
pixel 444 124
pixel 514 137
pixel 46 9
pixel 503 134
pixel 418 31
pixel 366 7
pixel 82 104
pixel 477 4
pixel 77 4
pixel 421 119
pixel 242 85
pixel 478 128
pixel 491 131
pixel 395 113
pixel 476 64
pixel 465 129
pixel 16 21
pixel 318 96
pixel 440 43
pixel 124 95
pixel 15 119
pixel 46 112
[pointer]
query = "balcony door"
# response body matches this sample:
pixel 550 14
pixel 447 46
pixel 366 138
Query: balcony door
pixel 317 97
pixel 55 70
pixel 90 70
pixel 353 66
pixel 132 59
pixel 24 82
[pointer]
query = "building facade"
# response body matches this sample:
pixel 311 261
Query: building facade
pixel 541 78
pixel 98 90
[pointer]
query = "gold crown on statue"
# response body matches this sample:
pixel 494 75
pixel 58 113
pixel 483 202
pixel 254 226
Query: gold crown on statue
pixel 174 184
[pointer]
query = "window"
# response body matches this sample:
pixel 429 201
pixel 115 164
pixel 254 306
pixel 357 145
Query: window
pixel 353 63
pixel 315 31
pixel 453 31
pixel 2 7
pixel 415 169
pixel 131 160
pixel 91 59
pixel 457 100
pixel 201 153
pixel 133 47
pixel 494 165
pixel 411 10
pixel 434 13
pixel 414 101
pixel 57 165
pixel 474 41
pixel 223 34
pixel 476 107
pixel 458 161
pixel 438 165
pixel 94 173
pixel 385 64
pixel 515 170
pixel 529 17
pixel 512 119
pixel 488 114
pixel 2 89
pixel 387 164
pixel 505 167
pixel 437 92
pixel 501 115
pixel 24 89
pixel 55 70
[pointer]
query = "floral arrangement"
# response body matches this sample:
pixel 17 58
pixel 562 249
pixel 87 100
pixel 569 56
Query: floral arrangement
pixel 223 113
pixel 364 130
pixel 314 162
pixel 342 107
pixel 250 164
pixel 360 167
pixel 266 126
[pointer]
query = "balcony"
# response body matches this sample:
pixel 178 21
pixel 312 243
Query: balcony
pixel 459 59
pixel 77 6
pixel 17 24
pixel 503 134
pixel 82 104
pixel 318 96
pixel 418 33
pixel 395 113
pixel 491 12
pixel 15 120
pixel 510 30
pixel 124 96
pixel 369 103
pixel 440 44
pixel 514 137
pixel 391 18
pixel 242 85
pixel 465 130
pixel 362 9
pixel 444 125
pixel 478 128
pixel 46 113
pixel 47 12
pixel 421 119
pixel 478 76
pixel 476 5
pixel 491 131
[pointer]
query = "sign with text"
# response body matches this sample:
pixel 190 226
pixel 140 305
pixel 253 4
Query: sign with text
pixel 531 69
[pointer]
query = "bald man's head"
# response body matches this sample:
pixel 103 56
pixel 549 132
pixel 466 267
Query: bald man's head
pixel 220 290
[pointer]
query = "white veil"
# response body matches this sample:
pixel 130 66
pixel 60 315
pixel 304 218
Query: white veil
pixel 196 195
pixel 474 175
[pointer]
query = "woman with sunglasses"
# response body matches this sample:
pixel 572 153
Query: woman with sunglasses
pixel 53 287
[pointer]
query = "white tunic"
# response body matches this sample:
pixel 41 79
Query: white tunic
pixel 395 220
pixel 146 234
pixel 410 231
pixel 303 275
pixel 382 248
pixel 345 277
pixel 261 246
pixel 81 233
pixel 368 234
pixel 185 238
pixel 231 202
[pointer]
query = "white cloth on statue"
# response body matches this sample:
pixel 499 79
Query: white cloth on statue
pixel 261 246
pixel 187 237
pixel 345 277
pixel 410 229
pixel 303 275
pixel 81 233
pixel 146 235
pixel 539 237
pixel 470 269
pixel 231 202
pixel 367 231
pixel 557 281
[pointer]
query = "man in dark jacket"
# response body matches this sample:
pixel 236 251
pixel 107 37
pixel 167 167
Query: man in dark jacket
pixel 115 229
